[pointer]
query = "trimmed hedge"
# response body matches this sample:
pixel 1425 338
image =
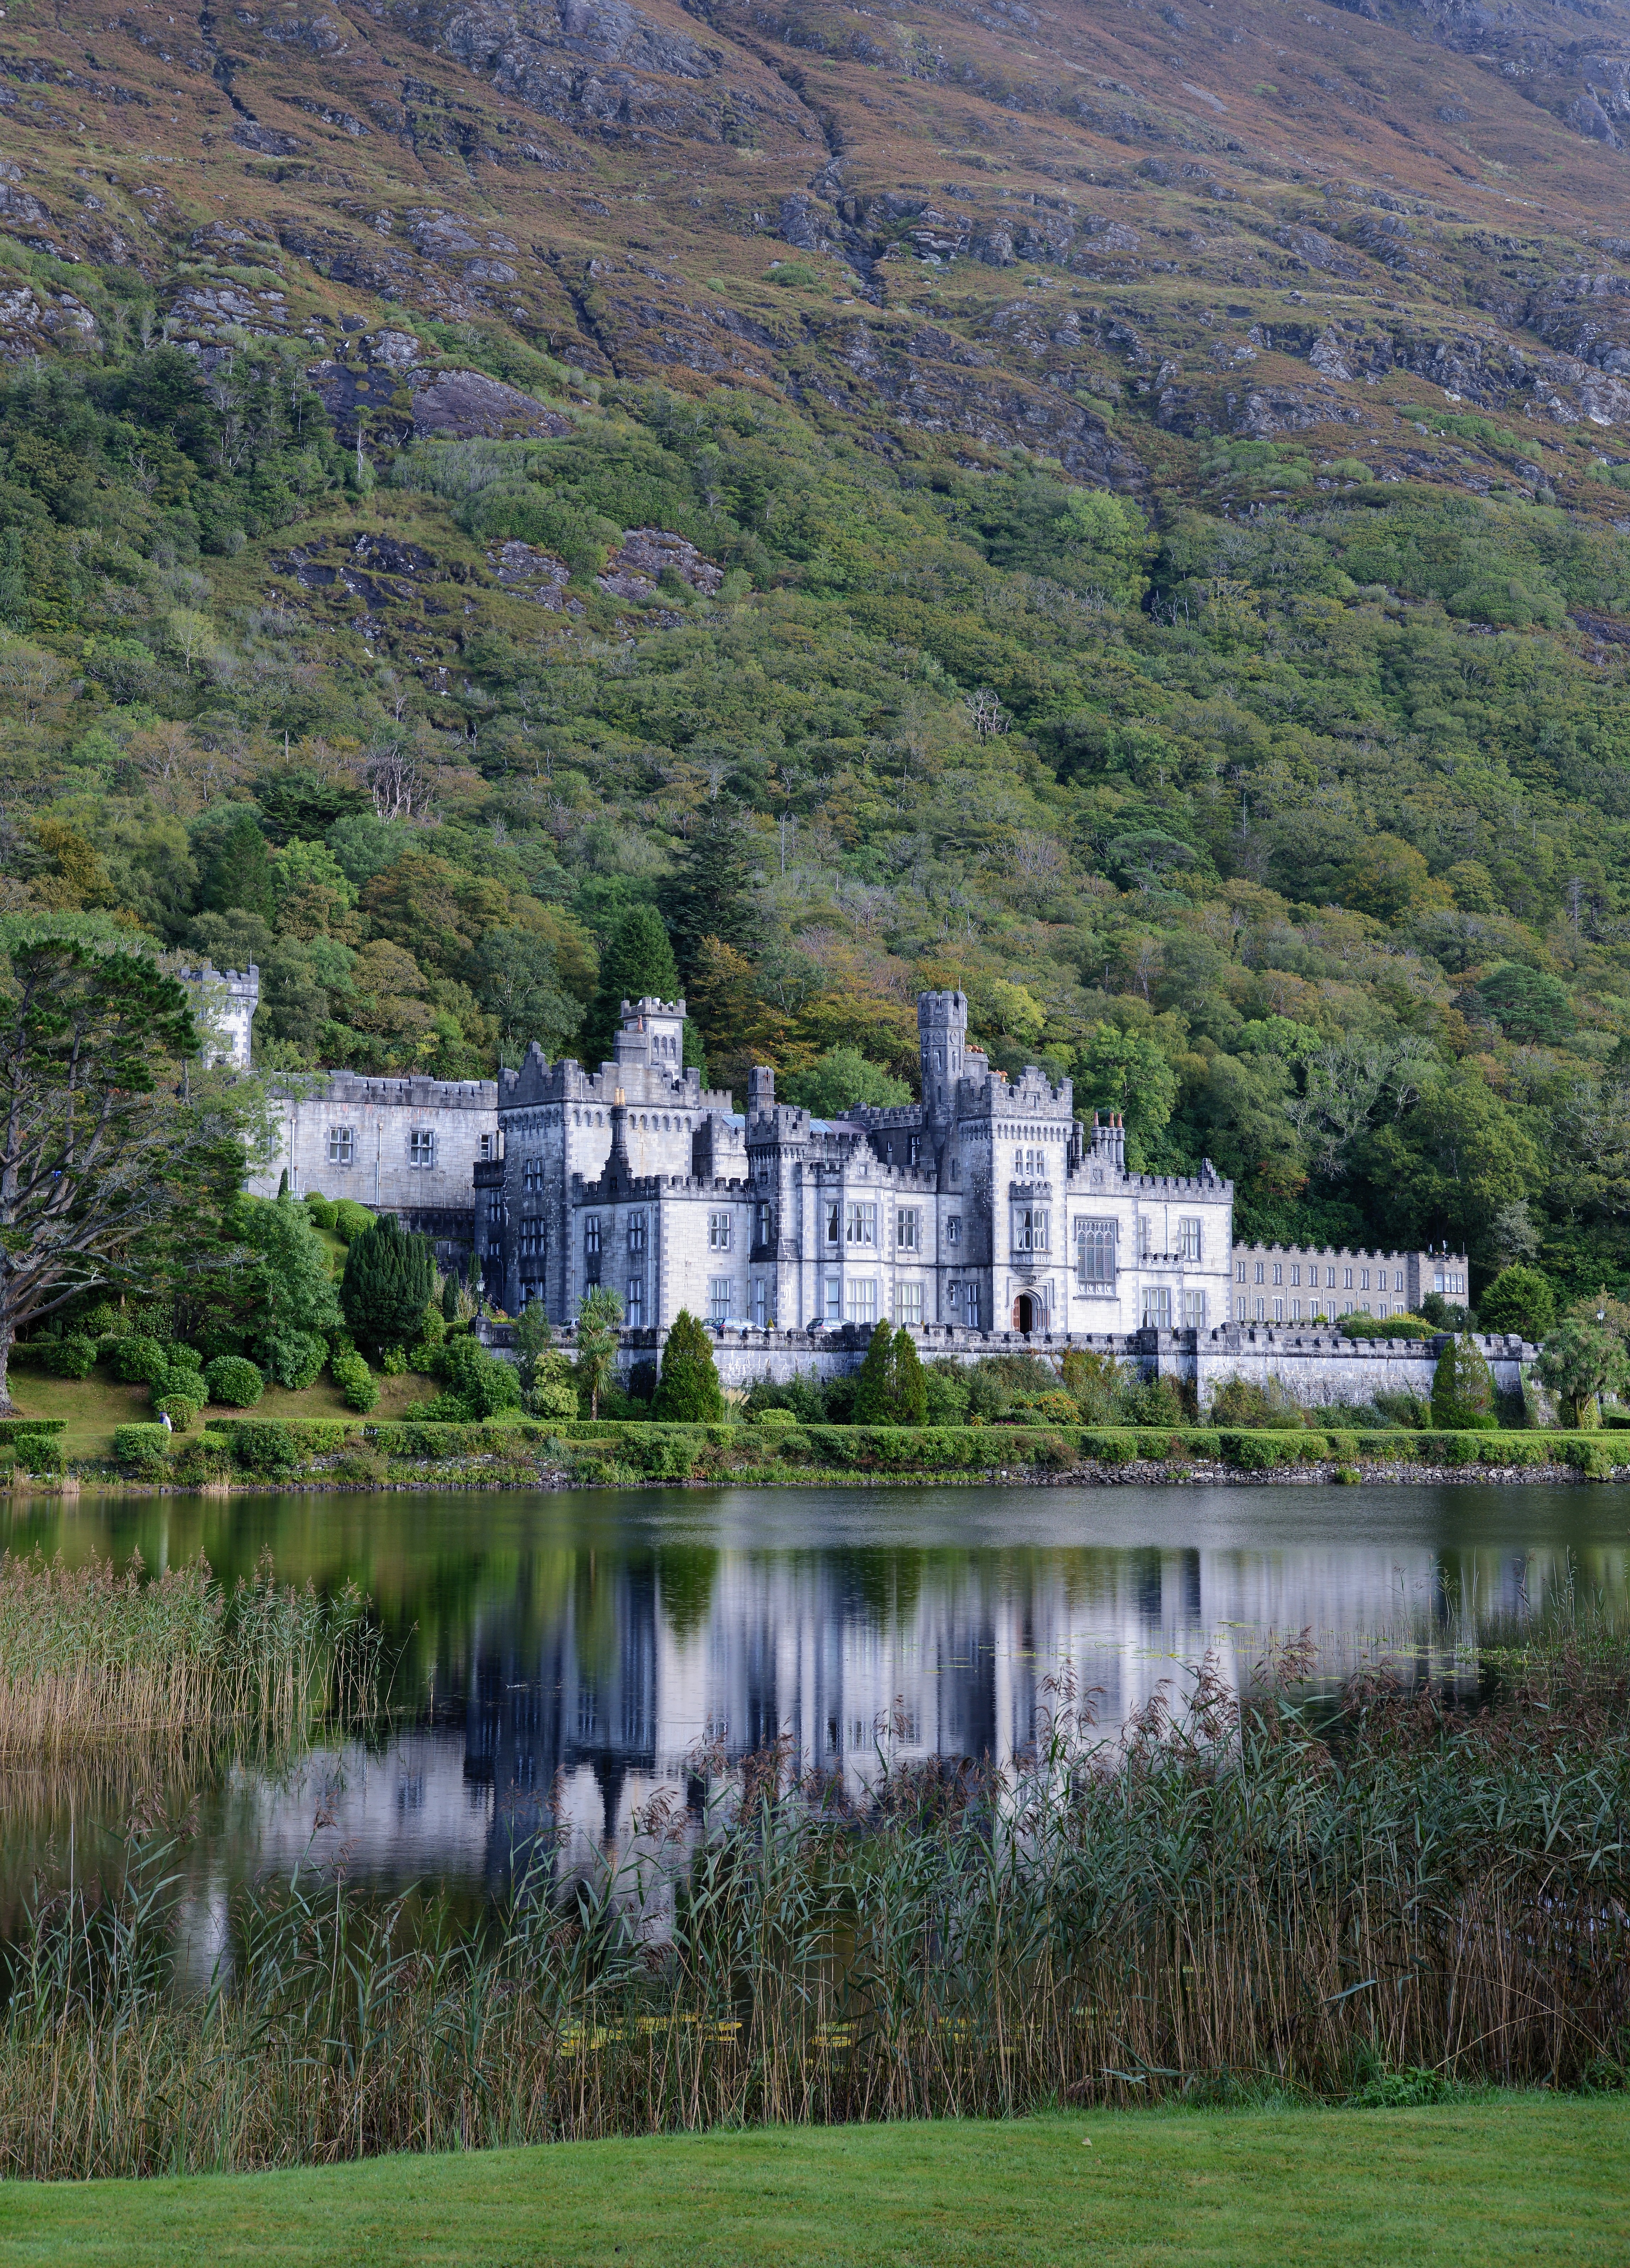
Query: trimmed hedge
pixel 145 1447
pixel 12 1429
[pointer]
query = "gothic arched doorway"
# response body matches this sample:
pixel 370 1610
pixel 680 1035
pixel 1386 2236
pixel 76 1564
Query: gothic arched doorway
pixel 1027 1312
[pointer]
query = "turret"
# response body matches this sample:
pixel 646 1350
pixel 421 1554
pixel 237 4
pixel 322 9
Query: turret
pixel 941 1041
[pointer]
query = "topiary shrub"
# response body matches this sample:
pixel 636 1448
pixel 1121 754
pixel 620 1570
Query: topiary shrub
pixel 356 1381
pixel 687 1390
pixel 1520 1299
pixel 322 1210
pixel 180 1410
pixel 68 1357
pixel 144 1449
pixel 138 1360
pixel 234 1382
pixel 1247 1453
pixel 350 1219
pixel 202 1461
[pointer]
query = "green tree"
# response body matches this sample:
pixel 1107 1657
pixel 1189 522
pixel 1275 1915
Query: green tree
pixel 1457 1157
pixel 710 895
pixel 599 1324
pixel 483 1382
pixel 1463 1389
pixel 638 963
pixel 1520 1299
pixel 890 1389
pixel 839 1080
pixel 241 877
pixel 1586 1357
pixel 514 974
pixel 688 1391
pixel 109 1159
pixel 389 1277
pixel 1127 1072
pixel 1526 1002
pixel 296 1310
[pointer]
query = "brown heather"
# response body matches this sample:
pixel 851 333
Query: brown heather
pixel 1420 1895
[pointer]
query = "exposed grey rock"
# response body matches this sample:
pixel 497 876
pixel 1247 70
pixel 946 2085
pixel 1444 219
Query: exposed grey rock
pixel 250 134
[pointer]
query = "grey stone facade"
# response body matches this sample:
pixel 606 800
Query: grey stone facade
pixel 1281 1283
pixel 224 1004
pixel 985 1208
pixel 407 1145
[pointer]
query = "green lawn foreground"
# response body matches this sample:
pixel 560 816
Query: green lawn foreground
pixel 1519 2177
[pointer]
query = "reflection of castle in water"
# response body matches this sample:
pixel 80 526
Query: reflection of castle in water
pixel 576 1715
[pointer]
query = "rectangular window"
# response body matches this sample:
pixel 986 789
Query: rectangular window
pixel 953 1229
pixel 1296 1277
pixel 1364 1285
pixel 421 1146
pixel 1194 1311
pixel 339 1145
pixel 1029 1228
pixel 835 1219
pixel 908 1300
pixel 1437 1280
pixel 1295 1311
pixel 1157 1307
pixel 765 1233
pixel 1095 1255
pixel 761 1302
pixel 970 1304
pixel 1239 1271
pixel 489 1148
pixel 1258 1271
pixel 532 1174
pixel 636 1232
pixel 1346 1280
pixel 718 1232
pixel 1242 1311
pixel 1261 1311
pixel 833 1308
pixel 1188 1239
pixel 860 1223
pixel 862 1299
pixel 1330 1280
pixel 1279 1273
pixel 1279 1311
pixel 720 1299
pixel 592 1237
pixel 909 1229
pixel 636 1302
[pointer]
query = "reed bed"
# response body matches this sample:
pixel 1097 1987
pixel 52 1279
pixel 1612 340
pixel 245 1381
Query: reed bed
pixel 88 1655
pixel 1229 1900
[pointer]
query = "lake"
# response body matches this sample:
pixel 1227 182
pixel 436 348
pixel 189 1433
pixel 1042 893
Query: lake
pixel 560 1659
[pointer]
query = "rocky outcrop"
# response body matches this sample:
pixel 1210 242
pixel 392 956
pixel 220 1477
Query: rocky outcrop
pixel 636 569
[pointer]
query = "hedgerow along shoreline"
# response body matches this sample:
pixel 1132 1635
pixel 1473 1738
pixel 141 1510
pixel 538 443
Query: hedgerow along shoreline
pixel 237 1454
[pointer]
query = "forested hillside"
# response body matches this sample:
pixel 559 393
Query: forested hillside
pixel 800 598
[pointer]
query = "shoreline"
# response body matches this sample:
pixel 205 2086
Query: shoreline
pixel 1137 1473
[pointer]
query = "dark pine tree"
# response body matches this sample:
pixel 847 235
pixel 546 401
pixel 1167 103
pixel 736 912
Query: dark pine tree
pixel 636 964
pixel 389 1280
pixel 239 876
pixel 711 895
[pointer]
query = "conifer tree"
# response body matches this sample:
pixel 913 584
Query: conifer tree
pixel 709 897
pixel 1463 1389
pixel 389 1280
pixel 688 1391
pixel 890 1389
pixel 637 964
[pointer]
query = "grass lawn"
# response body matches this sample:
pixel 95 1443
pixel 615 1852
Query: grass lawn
pixel 92 1407
pixel 1505 2178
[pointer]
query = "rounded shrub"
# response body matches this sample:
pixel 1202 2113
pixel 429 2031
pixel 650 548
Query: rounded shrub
pixel 357 1382
pixel 234 1382
pixel 479 1381
pixel 321 1208
pixel 350 1219
pixel 72 1357
pixel 293 1359
pixel 180 1409
pixel 138 1360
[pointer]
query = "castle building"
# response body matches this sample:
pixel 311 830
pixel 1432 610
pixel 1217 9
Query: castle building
pixel 986 1207
pixel 224 1004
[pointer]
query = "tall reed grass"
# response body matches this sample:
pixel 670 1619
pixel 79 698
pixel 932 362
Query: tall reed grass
pixel 1230 1898
pixel 87 1655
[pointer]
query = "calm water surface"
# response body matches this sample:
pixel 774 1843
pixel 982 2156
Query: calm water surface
pixel 560 1658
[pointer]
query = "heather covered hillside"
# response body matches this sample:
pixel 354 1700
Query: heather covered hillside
pixel 1120 513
